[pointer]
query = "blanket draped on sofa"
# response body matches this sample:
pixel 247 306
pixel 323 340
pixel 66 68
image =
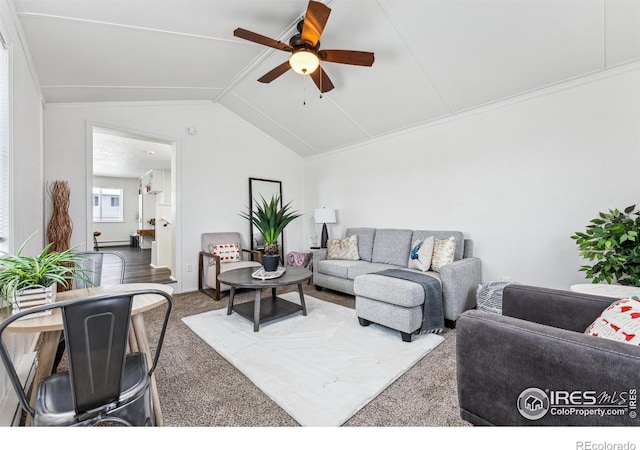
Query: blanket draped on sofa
pixel 433 310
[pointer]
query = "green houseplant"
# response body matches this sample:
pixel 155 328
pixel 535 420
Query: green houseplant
pixel 610 243
pixel 271 219
pixel 37 276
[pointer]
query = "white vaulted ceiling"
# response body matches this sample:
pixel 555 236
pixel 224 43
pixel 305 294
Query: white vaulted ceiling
pixel 433 59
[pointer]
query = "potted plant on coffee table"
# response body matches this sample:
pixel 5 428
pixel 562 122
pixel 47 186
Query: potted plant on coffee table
pixel 27 281
pixel 271 219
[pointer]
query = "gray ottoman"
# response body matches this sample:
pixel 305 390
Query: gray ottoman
pixel 392 302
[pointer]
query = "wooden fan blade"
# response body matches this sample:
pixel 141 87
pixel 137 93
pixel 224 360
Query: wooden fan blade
pixel 314 21
pixel 260 39
pixel 353 57
pixel 326 85
pixel 275 73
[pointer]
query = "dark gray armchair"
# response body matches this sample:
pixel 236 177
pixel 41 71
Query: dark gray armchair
pixel 533 365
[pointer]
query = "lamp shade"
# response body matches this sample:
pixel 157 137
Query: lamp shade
pixel 324 215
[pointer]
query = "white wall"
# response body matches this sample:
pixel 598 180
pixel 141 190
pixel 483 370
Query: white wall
pixel 26 126
pixel 27 188
pixel 212 167
pixel 518 178
pixel 118 233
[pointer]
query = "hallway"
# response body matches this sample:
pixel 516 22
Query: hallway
pixel 137 267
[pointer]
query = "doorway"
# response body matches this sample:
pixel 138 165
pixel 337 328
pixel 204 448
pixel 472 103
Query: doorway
pixel 133 201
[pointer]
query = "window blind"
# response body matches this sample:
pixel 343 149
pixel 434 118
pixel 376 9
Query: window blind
pixel 5 169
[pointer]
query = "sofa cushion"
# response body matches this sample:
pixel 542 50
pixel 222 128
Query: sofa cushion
pixel 619 322
pixel 442 235
pixel 336 267
pixel 367 267
pixel 390 290
pixel 365 241
pixel 346 248
pixel 421 254
pixel 392 246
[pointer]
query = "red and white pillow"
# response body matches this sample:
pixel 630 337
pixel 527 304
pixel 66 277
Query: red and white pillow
pixel 619 322
pixel 226 252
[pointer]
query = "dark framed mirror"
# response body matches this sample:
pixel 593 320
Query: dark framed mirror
pixel 258 188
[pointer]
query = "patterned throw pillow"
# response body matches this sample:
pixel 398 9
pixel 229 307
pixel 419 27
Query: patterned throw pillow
pixel 619 322
pixel 227 252
pixel 346 248
pixel 421 254
pixel 443 251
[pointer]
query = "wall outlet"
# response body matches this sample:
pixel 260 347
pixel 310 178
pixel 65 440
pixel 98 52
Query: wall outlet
pixel 189 268
pixel 506 279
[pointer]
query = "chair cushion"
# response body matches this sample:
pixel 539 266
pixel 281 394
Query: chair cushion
pixel 210 273
pixel 619 322
pixel 219 238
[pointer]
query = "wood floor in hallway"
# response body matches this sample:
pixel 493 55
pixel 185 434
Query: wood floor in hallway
pixel 138 266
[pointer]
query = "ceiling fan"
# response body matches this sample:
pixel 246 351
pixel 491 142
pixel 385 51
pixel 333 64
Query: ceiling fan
pixel 305 49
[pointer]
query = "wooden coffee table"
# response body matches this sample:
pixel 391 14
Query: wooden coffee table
pixel 265 309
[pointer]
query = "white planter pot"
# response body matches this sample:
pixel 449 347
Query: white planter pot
pixel 35 296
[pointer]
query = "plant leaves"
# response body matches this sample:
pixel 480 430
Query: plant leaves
pixel 610 243
pixel 270 219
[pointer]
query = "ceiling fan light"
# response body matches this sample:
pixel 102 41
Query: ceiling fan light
pixel 304 62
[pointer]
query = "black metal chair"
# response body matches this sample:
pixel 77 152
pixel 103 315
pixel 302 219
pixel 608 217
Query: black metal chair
pixel 104 383
pixel 93 266
pixel 98 265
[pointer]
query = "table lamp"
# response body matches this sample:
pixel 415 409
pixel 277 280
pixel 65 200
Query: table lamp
pixel 324 216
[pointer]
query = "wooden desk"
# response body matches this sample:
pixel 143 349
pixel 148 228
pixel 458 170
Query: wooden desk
pixel 51 327
pixel 142 234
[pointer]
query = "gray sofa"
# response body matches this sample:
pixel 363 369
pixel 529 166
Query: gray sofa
pixel 539 343
pixel 398 301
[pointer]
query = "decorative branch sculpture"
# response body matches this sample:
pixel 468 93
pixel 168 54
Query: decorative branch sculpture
pixel 60 226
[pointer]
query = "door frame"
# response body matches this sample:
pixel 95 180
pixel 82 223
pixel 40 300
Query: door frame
pixel 176 191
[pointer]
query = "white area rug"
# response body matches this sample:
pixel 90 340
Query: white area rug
pixel 322 368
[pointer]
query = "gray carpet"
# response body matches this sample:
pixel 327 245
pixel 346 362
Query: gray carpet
pixel 199 388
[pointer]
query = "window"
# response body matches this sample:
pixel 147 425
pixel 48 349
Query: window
pixel 5 142
pixel 107 205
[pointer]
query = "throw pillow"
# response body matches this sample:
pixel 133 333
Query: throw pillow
pixel 421 254
pixel 346 248
pixel 443 251
pixel 226 252
pixel 619 322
